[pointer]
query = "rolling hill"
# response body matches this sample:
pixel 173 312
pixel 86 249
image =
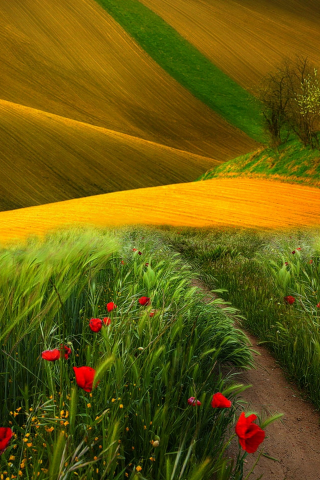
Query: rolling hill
pixel 47 158
pixel 245 38
pixel 239 202
pixel 73 60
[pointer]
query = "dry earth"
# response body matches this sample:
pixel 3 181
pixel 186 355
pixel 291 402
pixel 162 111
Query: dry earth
pixel 245 38
pixel 70 58
pixel 294 441
pixel 246 203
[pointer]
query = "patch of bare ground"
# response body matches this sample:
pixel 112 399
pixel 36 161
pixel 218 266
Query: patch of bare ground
pixel 294 441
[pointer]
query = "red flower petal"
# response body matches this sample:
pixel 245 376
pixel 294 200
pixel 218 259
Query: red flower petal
pixel 5 437
pixel 144 301
pixel 192 401
pixel 111 306
pixel 107 321
pixel 51 355
pixel 84 377
pixel 250 435
pixel 289 299
pixel 95 324
pixel 219 401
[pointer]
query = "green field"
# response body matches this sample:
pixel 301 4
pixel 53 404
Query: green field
pixel 258 270
pixel 134 420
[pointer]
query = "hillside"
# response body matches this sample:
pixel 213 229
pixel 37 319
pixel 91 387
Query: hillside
pixel 218 202
pixel 47 158
pixel 292 163
pixel 73 60
pixel 245 38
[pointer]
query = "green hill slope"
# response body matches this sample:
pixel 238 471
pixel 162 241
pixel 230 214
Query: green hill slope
pixel 293 163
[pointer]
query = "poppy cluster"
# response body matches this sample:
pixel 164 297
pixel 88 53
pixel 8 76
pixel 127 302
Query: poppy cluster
pixel 250 434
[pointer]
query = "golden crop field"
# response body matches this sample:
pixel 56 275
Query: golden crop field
pixel 73 60
pixel 239 202
pixel 245 38
pixel 47 158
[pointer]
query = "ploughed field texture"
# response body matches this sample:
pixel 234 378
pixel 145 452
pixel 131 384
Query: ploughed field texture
pixel 50 158
pixel 249 203
pixel 245 38
pixel 73 60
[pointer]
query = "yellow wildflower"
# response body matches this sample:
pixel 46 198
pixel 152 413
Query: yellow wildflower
pixel 138 468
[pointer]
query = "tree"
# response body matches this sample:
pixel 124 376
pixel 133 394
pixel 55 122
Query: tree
pixel 290 98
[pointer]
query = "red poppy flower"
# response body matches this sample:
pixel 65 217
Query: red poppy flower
pixel 122 262
pixel 5 437
pixel 107 321
pixel 152 314
pixel 293 251
pixel 219 401
pixel 193 401
pixel 310 261
pixel 144 300
pixel 51 355
pixel 84 377
pixel 250 435
pixel 318 305
pixel 111 306
pixel 289 299
pixel 134 249
pixel 67 351
pixel 95 324
pixel 299 248
pixel 147 264
pixel 139 253
pixel 286 263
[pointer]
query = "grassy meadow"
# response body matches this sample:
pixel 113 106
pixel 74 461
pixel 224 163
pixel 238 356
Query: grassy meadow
pixel 292 162
pixel 157 348
pixel 257 270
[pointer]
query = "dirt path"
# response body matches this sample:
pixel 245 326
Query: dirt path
pixel 295 439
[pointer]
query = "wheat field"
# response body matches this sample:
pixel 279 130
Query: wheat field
pixel 237 202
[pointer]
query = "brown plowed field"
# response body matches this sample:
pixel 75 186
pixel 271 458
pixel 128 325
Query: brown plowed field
pixel 46 158
pixel 245 38
pixel 228 202
pixel 72 59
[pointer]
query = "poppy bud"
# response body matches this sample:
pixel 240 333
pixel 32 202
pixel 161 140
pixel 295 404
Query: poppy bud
pixel 156 443
pixel 140 348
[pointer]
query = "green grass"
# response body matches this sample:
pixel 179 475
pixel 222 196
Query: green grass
pixel 250 266
pixel 148 366
pixel 188 66
pixel 292 163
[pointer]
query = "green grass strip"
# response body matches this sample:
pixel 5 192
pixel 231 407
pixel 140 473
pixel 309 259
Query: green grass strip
pixel 292 162
pixel 188 66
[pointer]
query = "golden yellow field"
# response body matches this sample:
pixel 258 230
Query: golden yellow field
pixel 47 158
pixel 245 38
pixel 73 60
pixel 241 202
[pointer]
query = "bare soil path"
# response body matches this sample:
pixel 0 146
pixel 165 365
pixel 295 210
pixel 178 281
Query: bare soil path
pixel 295 439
